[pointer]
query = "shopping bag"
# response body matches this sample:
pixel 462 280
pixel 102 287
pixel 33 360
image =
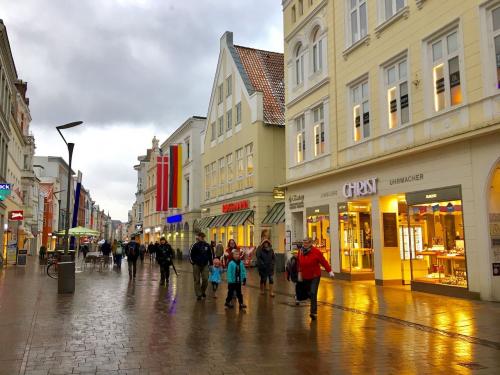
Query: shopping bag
pixel 302 290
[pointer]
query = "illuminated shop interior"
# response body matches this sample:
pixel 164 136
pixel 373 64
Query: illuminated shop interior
pixel 318 228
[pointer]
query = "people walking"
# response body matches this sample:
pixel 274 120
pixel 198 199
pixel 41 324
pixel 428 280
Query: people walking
pixel 309 260
pixel 200 256
pixel 151 252
pixel 142 252
pixel 106 252
pixel 265 264
pixel 132 255
pixel 118 255
pixel 164 256
pixel 219 250
pixel 215 275
pixel 228 254
pixel 236 277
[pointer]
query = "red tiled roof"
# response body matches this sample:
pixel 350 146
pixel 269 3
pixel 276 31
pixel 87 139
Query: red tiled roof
pixel 265 71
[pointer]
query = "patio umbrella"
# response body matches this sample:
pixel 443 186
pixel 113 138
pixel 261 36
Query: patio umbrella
pixel 79 232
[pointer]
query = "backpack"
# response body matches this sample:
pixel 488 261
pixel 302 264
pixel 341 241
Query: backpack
pixel 292 270
pixel 131 250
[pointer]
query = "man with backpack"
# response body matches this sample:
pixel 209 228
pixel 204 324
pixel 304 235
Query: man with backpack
pixel 132 255
pixel 200 257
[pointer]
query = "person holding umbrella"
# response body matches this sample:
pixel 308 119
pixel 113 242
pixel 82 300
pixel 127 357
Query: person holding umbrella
pixel 164 256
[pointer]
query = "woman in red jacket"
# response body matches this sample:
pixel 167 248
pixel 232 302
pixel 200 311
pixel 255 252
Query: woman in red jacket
pixel 310 259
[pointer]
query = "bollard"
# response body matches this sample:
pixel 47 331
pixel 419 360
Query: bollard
pixel 66 277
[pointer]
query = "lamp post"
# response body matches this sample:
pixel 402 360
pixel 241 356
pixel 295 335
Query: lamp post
pixel 66 269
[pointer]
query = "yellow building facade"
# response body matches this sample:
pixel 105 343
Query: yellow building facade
pixel 397 178
pixel 243 148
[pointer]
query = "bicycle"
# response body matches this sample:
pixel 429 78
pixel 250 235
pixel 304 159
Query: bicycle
pixel 52 268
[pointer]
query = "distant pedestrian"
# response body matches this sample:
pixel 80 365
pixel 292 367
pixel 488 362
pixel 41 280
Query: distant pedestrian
pixel 106 252
pixel 265 264
pixel 165 258
pixel 219 250
pixel 228 254
pixel 212 248
pixel 200 256
pixel 309 260
pixel 85 250
pixel 236 277
pixel 156 246
pixel 215 275
pixel 142 252
pixel 132 255
pixel 118 255
pixel 151 251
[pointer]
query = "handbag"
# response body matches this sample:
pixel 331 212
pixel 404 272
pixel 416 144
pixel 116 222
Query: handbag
pixel 299 272
pixel 302 290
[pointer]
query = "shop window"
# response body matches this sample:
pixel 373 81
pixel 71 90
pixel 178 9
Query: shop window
pixel 318 228
pixel 229 119
pixel 360 111
pixel 437 241
pixel 300 124
pixel 249 157
pixel 299 65
pixel 319 130
pixel 357 20
pixel 447 87
pixel 229 86
pixel 222 175
pixel 495 18
pixel 240 169
pixel 317 51
pixel 230 172
pixel 398 107
pixel 391 7
pixel 355 234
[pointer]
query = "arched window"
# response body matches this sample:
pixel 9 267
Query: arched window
pixel 299 65
pixel 317 51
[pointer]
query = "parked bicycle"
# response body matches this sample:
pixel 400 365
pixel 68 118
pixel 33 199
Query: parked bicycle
pixel 52 267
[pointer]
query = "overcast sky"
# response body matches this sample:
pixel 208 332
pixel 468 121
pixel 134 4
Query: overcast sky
pixel 130 69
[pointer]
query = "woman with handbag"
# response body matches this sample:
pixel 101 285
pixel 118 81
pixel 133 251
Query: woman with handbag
pixel 309 261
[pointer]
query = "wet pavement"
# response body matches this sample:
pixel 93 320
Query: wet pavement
pixel 113 326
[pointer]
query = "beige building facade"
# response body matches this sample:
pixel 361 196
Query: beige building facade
pixel 409 191
pixel 243 148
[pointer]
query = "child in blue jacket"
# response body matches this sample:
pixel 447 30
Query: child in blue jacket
pixel 236 276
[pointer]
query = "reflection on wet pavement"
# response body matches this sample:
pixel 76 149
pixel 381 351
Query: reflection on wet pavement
pixel 113 326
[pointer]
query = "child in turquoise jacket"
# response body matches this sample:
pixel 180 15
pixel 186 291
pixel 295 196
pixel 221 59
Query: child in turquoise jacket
pixel 236 276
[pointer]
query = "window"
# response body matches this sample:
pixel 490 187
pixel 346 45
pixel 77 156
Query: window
pixel 301 138
pixel 238 113
pixel 391 7
pixel 249 156
pixel 229 86
pixel 310 2
pixel 213 133
pixel 188 149
pixel 398 103
pixel 294 14
pixel 240 168
pixel 229 164
pixel 301 7
pixel 495 15
pixel 319 130
pixel 317 52
pixel 214 180
pixel 222 175
pixel 358 20
pixel 446 71
pixel 187 192
pixel 229 119
pixel 208 176
pixel 221 125
pixel 299 65
pixel 361 111
pixel 221 93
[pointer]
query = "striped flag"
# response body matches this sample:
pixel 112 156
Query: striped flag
pixel 162 188
pixel 175 180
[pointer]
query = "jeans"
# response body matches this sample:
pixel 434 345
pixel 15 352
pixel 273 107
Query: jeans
pixel 132 265
pixel 234 288
pixel 118 260
pixel 164 272
pixel 200 274
pixel 313 294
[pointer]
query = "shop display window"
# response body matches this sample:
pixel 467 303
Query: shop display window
pixel 356 243
pixel 437 242
pixel 318 228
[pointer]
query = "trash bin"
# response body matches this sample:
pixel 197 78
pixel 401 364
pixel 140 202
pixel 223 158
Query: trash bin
pixel 280 262
pixel 66 277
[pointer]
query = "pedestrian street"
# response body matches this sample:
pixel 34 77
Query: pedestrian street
pixel 114 325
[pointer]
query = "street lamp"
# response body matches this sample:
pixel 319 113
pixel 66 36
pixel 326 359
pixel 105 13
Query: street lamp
pixel 70 146
pixel 66 268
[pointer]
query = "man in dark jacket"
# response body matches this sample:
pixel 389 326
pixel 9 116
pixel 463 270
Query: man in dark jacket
pixel 132 255
pixel 200 256
pixel 164 256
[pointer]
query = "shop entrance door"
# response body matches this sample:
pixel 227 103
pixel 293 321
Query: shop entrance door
pixel 494 221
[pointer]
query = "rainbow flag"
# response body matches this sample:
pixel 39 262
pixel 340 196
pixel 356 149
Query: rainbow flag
pixel 175 180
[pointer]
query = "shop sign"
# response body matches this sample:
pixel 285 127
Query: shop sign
pixel 278 193
pixel 138 227
pixel 360 188
pixel 16 215
pixel 332 193
pixel 174 219
pixel 236 206
pixel 406 179
pixel 296 201
pixel 434 195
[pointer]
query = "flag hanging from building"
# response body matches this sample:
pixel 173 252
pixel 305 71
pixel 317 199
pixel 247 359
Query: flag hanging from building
pixel 162 187
pixel 175 184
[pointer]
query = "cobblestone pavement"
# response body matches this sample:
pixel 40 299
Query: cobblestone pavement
pixel 112 326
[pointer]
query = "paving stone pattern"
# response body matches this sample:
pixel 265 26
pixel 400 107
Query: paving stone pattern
pixel 113 326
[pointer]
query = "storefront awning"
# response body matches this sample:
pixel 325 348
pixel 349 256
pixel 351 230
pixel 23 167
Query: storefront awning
pixel 220 221
pixel 239 218
pixel 205 222
pixel 276 215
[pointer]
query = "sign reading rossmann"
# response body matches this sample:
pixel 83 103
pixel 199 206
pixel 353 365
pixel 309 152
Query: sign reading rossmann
pixel 360 188
pixel 236 206
pixel 16 215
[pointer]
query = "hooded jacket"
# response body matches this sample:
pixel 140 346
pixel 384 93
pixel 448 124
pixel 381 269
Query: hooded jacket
pixel 265 259
pixel 232 269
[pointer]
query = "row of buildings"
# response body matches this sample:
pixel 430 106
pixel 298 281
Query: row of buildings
pixel 32 188
pixel 376 133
